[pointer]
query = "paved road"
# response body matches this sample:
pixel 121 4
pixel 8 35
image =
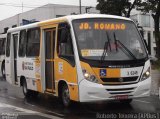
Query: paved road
pixel 13 105
pixel 155 82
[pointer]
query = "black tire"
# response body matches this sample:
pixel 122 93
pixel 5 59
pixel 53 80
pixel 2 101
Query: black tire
pixel 65 96
pixel 27 92
pixel 127 101
pixel 24 88
pixel 3 71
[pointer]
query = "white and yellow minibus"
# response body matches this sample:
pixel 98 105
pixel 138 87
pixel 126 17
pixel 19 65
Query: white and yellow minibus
pixel 2 54
pixel 83 58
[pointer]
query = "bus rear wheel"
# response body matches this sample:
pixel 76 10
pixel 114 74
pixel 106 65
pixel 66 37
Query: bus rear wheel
pixel 65 96
pixel 24 88
pixel 27 92
pixel 3 71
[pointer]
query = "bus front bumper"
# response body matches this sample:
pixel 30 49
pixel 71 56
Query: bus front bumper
pixel 91 92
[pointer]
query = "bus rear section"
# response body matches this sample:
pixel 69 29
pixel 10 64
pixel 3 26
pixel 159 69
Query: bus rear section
pixel 40 59
pixel 2 54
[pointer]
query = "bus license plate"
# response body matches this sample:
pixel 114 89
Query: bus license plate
pixel 121 97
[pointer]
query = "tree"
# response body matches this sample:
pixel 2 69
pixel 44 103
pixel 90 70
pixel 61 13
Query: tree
pixel 153 6
pixel 117 7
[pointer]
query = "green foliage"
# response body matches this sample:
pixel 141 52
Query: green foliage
pixel 148 5
pixel 116 7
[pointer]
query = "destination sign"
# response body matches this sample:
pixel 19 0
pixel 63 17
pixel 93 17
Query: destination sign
pixel 102 26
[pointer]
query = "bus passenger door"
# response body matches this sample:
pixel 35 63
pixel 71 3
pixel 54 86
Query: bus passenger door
pixel 15 41
pixel 49 39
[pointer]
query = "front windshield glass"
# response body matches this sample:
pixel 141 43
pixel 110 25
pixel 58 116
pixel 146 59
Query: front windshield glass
pixel 108 39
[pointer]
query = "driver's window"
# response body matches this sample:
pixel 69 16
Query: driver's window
pixel 65 47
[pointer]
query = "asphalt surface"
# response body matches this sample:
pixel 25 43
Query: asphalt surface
pixel 13 105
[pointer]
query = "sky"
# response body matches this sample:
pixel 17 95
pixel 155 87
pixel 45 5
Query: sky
pixel 10 8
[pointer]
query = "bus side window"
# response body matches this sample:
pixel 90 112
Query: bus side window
pixel 65 46
pixel 33 42
pixel 65 42
pixel 8 45
pixel 22 43
pixel 3 46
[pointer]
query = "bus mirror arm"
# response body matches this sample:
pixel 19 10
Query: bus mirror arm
pixel 146 44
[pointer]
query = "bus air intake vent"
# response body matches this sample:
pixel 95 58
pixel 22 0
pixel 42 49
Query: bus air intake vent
pixel 120 80
pixel 121 90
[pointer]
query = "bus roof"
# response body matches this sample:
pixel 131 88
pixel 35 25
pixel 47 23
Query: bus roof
pixel 3 35
pixel 95 16
pixel 66 18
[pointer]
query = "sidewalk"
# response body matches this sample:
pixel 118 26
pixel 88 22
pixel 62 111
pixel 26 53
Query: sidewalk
pixel 155 74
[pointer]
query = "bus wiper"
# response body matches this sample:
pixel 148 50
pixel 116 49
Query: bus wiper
pixel 107 43
pixel 129 52
pixel 115 41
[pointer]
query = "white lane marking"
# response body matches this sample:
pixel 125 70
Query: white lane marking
pixel 29 104
pixel 142 101
pixel 12 97
pixel 24 111
pixel 17 108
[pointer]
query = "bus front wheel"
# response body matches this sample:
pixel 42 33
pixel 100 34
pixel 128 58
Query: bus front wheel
pixel 65 96
pixel 127 101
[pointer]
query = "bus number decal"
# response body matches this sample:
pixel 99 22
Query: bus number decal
pixel 60 67
pixel 132 73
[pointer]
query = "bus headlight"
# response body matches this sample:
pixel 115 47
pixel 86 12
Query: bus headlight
pixel 89 77
pixel 146 74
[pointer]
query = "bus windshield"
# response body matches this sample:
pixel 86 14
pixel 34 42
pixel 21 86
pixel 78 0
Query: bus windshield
pixel 108 39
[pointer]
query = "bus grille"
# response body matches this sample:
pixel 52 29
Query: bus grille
pixel 121 91
pixel 120 80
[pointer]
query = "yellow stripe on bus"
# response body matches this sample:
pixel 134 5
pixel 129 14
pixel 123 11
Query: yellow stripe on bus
pixel 113 73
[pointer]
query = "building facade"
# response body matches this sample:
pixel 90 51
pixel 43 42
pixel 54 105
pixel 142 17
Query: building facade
pixel 45 12
pixel 50 11
pixel 147 22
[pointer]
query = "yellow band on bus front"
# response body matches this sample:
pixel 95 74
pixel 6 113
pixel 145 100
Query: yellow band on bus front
pixel 113 73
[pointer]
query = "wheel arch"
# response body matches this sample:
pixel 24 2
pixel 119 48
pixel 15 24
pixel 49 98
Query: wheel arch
pixel 22 78
pixel 3 63
pixel 61 83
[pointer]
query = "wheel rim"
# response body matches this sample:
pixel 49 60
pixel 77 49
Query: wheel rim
pixel 66 97
pixel 25 88
pixel 3 72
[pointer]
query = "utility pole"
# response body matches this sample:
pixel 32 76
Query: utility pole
pixel 80 11
pixel 22 7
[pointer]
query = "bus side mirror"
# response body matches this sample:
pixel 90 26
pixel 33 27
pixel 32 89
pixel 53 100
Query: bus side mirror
pixel 146 44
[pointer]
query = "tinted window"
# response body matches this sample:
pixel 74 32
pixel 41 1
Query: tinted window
pixel 22 43
pixel 65 48
pixel 50 43
pixel 8 45
pixel 33 42
pixel 1 41
pixel 3 46
pixel 15 40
